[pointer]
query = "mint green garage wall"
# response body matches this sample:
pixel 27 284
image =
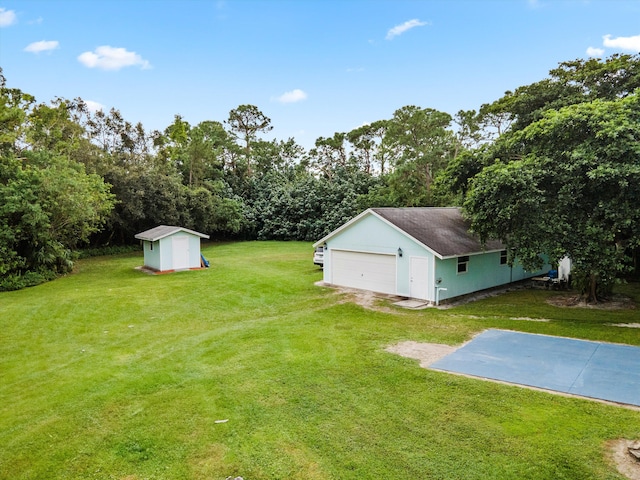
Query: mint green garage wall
pixel 372 235
pixel 483 271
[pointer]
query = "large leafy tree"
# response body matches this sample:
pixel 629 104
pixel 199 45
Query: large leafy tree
pixel 572 82
pixel 293 204
pixel 245 122
pixel 276 155
pixel 50 206
pixel 14 108
pixel 329 154
pixel 555 136
pixel 422 145
pixel 567 184
pixel 196 153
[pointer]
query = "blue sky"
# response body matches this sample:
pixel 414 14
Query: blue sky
pixel 314 67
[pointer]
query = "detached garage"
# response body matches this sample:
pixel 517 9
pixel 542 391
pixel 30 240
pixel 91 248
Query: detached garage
pixel 168 248
pixel 422 253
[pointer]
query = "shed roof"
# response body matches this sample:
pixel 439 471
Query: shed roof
pixel 442 230
pixel 162 231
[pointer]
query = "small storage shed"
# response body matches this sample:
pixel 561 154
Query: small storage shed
pixel 169 248
pixel 421 253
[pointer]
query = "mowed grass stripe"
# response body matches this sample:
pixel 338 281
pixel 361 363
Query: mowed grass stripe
pixel 111 373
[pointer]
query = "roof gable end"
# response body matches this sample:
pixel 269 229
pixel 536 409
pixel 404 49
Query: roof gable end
pixel 162 231
pixel 443 231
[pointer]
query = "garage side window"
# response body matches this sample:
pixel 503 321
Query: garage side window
pixel 503 257
pixel 463 264
pixel 151 246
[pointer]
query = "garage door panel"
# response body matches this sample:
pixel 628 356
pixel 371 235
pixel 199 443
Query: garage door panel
pixel 366 271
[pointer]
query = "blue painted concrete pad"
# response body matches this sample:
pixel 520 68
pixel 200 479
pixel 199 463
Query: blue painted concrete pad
pixel 591 369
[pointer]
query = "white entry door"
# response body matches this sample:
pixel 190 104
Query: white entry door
pixel 180 252
pixel 419 278
pixel 365 271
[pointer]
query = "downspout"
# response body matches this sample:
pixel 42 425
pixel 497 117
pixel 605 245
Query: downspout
pixel 438 288
pixel 438 294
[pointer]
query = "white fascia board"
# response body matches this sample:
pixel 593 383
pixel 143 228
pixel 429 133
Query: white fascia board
pixel 398 229
pixel 169 232
pixel 472 253
pixel 201 235
pixel 369 211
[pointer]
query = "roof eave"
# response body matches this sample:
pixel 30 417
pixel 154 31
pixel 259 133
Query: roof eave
pixel 141 236
pixel 477 252
pixel 384 220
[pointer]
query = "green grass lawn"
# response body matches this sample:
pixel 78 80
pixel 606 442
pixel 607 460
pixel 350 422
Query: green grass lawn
pixel 249 369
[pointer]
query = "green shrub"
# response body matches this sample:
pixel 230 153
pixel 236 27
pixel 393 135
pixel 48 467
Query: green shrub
pixel 110 250
pixel 17 281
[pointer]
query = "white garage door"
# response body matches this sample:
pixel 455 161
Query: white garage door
pixel 367 271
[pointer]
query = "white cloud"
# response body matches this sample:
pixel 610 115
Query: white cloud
pixel 595 52
pixel 93 106
pixel 42 46
pixel 111 58
pixel 625 43
pixel 408 25
pixel 293 96
pixel 7 17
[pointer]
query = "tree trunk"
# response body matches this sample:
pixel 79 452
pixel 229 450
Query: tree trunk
pixel 592 294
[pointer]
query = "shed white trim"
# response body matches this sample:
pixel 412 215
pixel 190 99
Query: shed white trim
pixel 162 231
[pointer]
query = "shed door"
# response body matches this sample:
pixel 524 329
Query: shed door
pixel 419 278
pixel 366 271
pixel 180 252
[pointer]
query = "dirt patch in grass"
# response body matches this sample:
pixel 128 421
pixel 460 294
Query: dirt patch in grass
pixel 425 353
pixel 374 301
pixel 364 298
pixel 616 302
pixel 626 463
pixel 530 319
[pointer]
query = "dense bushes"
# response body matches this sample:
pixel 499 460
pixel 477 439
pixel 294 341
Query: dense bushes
pixel 50 206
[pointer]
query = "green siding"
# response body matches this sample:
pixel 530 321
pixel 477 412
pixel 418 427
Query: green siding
pixel 161 257
pixel 483 271
pixel 152 255
pixel 372 235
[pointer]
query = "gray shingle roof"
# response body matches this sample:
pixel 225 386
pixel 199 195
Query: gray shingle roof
pixel 162 231
pixel 443 230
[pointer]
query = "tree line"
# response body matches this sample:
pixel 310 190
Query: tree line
pixel 550 167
